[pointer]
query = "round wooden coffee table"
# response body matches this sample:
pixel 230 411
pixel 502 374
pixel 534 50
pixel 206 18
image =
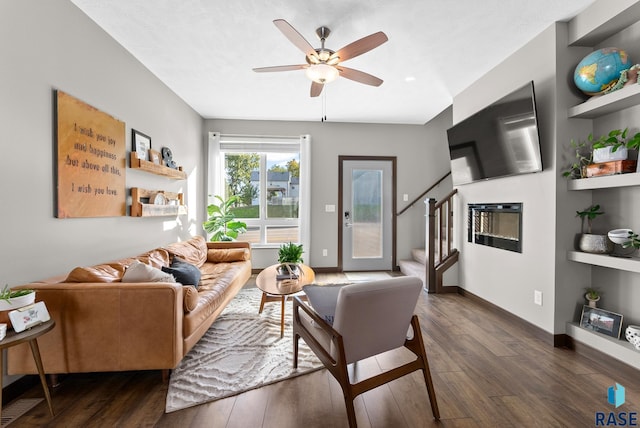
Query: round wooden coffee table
pixel 274 290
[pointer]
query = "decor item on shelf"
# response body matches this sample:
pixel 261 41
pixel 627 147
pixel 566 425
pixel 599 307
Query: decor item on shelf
pixel 589 242
pixel 593 296
pixel 600 70
pixel 620 236
pixel 222 221
pixel 627 77
pixel 632 241
pixel 610 150
pixel 601 321
pixel 632 334
pixel 140 143
pixel 167 158
pixel 155 157
pixel 289 255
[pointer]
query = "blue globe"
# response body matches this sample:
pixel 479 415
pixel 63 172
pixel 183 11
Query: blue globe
pixel 600 69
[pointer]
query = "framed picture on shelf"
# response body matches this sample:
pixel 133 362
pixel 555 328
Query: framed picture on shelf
pixel 155 157
pixel 601 321
pixel 141 144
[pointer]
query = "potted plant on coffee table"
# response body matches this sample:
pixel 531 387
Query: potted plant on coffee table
pixel 590 242
pixel 289 255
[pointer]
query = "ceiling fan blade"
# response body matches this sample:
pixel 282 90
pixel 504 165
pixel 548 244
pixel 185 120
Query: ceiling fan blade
pixel 294 37
pixel 359 76
pixel 316 89
pixel 361 46
pixel 280 68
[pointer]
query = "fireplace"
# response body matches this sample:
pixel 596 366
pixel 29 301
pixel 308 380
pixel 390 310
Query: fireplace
pixel 496 225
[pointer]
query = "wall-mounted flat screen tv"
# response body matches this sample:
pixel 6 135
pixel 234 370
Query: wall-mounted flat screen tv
pixel 499 141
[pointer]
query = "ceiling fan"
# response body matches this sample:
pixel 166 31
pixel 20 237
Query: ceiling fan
pixel 324 65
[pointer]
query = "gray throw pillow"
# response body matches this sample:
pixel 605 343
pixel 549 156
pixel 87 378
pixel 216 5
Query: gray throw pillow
pixel 184 272
pixel 323 299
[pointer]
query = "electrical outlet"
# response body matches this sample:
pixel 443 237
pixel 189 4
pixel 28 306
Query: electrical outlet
pixel 325 253
pixel 537 297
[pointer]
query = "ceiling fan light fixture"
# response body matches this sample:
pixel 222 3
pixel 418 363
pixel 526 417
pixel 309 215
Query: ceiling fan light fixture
pixel 322 73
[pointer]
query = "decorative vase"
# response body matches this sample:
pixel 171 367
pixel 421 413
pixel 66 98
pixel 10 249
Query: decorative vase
pixel 596 244
pixel 592 302
pixel 632 334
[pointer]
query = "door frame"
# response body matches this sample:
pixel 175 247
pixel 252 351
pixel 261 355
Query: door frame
pixel 394 204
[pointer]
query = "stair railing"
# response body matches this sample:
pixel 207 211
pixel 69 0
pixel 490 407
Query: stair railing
pixel 439 240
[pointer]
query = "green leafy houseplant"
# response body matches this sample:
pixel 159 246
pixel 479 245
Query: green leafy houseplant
pixel 290 253
pixel 577 168
pixel 633 241
pixel 6 293
pixel 222 223
pixel 590 213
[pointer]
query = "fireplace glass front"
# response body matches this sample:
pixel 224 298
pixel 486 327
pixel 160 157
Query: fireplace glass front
pixel 496 225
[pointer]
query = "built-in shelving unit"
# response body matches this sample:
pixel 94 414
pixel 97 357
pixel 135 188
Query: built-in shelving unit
pixel 143 203
pixel 176 174
pixel 591 28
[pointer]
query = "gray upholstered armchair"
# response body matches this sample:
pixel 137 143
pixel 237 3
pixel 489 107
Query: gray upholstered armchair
pixel 370 318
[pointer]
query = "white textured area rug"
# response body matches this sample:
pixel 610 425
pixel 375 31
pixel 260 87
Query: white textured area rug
pixel 241 351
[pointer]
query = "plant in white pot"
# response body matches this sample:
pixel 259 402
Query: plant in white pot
pixel 610 147
pixel 590 242
pixel 593 296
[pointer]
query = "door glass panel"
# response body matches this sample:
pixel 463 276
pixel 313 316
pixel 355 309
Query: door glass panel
pixel 367 213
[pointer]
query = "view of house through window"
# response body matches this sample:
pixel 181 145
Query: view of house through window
pixel 268 188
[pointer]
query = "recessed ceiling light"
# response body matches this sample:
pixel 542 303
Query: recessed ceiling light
pixel 409 79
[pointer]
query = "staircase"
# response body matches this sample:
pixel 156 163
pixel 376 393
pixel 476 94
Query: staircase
pixel 430 263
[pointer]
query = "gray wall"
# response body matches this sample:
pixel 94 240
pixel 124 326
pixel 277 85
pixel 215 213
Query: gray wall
pixel 422 158
pixel 47 45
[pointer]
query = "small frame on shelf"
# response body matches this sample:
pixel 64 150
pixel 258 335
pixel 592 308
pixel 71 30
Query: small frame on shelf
pixel 155 157
pixel 601 321
pixel 141 144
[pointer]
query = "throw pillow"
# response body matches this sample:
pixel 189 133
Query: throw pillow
pixel 140 272
pixel 184 272
pixel 189 298
pixel 228 255
pixel 323 299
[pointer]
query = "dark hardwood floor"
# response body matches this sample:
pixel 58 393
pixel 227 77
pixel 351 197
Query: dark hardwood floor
pixel 488 371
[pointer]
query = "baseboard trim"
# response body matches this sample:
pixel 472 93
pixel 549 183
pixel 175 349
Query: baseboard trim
pixel 539 333
pixel 18 387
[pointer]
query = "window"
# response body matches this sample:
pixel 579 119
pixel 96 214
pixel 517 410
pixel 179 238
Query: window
pixel 270 177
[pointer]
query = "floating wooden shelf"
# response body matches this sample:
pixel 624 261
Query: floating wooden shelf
pixel 142 204
pixel 176 174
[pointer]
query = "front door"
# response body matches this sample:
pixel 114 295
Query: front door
pixel 366 211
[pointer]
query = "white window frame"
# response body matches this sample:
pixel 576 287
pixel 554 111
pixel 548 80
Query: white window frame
pixel 219 143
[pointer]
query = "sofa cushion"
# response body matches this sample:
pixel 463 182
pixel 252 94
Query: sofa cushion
pixel 184 272
pixel 156 258
pixel 222 255
pixel 193 250
pixel 140 272
pixel 109 272
pixel 190 298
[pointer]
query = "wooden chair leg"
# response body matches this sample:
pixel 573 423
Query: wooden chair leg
pixel 295 350
pixel 351 412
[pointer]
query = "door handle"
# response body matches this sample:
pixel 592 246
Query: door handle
pixel 347 217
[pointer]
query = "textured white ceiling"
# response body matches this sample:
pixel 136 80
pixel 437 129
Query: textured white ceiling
pixel 204 50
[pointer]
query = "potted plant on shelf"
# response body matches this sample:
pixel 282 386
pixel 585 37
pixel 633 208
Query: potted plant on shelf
pixel 590 242
pixel 289 255
pixel 592 295
pixel 610 147
pixel 222 221
pixel 583 156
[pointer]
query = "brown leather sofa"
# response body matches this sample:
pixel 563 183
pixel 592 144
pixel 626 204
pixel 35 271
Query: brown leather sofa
pixel 104 324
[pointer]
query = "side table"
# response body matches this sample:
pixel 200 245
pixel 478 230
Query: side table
pixel 31 335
